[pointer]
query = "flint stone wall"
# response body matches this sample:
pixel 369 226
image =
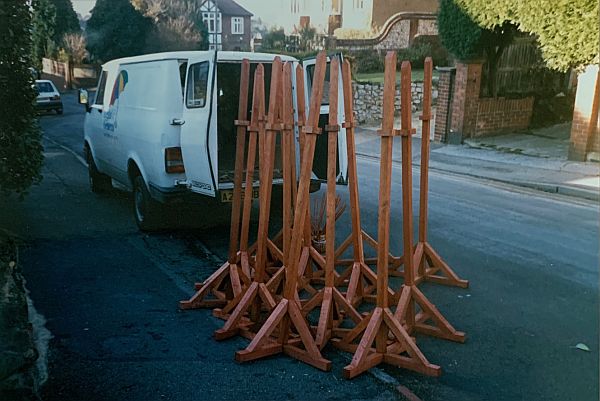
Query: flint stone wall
pixel 368 99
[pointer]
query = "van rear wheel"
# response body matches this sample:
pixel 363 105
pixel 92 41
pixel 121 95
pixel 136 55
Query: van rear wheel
pixel 145 209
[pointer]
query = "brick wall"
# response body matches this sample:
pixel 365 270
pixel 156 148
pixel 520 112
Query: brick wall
pixel 473 116
pixel 585 138
pixel 445 83
pixel 496 115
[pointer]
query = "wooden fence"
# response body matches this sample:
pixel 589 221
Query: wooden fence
pixel 521 72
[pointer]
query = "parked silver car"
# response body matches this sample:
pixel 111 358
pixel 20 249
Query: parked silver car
pixel 48 97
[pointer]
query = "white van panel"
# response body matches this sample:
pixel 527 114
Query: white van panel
pixel 145 97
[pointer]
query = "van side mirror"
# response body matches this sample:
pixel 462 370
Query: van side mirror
pixel 84 99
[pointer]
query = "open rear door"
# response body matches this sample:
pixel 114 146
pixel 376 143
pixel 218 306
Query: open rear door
pixel 320 162
pixel 198 138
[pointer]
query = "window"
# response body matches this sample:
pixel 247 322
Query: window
pixel 311 74
pixel 44 87
pixel 197 85
pixel 100 91
pixel 182 70
pixel 237 25
pixel 213 23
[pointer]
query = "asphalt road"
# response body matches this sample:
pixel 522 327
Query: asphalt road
pixel 110 294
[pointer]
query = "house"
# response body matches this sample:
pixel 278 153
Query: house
pixel 228 25
pixel 380 24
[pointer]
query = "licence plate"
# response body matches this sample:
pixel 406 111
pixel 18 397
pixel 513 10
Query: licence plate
pixel 227 195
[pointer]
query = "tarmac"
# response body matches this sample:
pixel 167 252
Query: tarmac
pixel 534 159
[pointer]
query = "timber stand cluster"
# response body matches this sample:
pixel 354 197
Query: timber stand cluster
pixel 283 294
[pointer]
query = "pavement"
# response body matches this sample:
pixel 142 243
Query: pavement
pixel 534 159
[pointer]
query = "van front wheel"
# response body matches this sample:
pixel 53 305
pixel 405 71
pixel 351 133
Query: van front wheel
pixel 99 182
pixel 145 209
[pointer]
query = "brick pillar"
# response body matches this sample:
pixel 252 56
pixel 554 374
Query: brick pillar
pixel 466 97
pixel 584 131
pixel 444 102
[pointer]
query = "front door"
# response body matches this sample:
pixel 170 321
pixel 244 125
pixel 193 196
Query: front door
pixel 198 132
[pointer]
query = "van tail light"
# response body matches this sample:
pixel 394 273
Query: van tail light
pixel 174 160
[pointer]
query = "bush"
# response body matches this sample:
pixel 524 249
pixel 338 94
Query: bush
pixel 548 111
pixel 20 139
pixel 366 61
pixel 425 46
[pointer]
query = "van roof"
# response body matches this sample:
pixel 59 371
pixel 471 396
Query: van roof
pixel 221 56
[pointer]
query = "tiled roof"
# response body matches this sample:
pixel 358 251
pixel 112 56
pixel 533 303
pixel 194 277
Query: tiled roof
pixel 230 7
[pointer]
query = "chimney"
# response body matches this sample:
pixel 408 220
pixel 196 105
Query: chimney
pixel 335 22
pixel 304 21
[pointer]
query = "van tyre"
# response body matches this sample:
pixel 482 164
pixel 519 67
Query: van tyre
pixel 99 183
pixel 145 209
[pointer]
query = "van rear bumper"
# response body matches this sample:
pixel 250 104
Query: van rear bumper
pixel 179 194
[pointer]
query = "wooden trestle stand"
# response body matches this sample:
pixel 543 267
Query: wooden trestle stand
pixel 362 281
pixel 294 337
pixel 431 267
pixel 410 295
pixel 226 283
pixel 382 337
pixel 333 305
pixel 257 294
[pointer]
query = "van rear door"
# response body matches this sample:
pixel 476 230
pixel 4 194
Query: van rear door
pixel 197 143
pixel 320 160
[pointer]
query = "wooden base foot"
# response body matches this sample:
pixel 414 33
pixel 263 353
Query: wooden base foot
pixel 287 318
pixel 439 326
pixel 334 308
pixel 431 268
pixel 362 285
pixel 252 301
pixel 223 285
pixel 383 340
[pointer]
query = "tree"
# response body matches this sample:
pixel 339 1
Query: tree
pixel 274 39
pixel 466 40
pixel 75 46
pixel 307 37
pixel 177 24
pixel 43 29
pixel 116 29
pixel 65 20
pixel 20 139
pixel 567 30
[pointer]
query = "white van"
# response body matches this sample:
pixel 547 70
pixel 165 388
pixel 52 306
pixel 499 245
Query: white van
pixel 163 125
